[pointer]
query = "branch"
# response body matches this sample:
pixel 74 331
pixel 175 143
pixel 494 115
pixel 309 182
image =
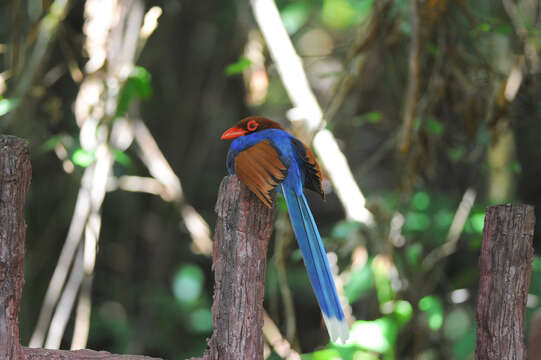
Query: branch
pixel 159 168
pixel 78 221
pixel 94 115
pixel 241 238
pixel 449 247
pixel 505 266
pixel 294 79
pixel 356 58
pixel 280 345
pixel 413 85
pixel 47 30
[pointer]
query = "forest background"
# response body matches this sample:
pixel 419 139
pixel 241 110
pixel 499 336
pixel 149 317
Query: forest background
pixel 435 104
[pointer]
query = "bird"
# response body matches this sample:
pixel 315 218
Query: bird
pixel 265 157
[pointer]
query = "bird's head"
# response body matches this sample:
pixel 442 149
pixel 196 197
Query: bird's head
pixel 250 125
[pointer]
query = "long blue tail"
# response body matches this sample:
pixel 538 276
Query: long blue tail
pixel 317 265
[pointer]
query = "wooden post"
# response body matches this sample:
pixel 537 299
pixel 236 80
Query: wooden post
pixel 241 239
pixel 15 173
pixel 505 270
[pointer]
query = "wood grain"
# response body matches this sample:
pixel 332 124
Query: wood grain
pixel 505 270
pixel 15 174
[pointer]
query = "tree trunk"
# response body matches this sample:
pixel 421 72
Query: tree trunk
pixel 505 270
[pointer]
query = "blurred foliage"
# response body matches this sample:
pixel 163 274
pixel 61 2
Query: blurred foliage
pixel 137 86
pixel 6 105
pixel 152 294
pixel 238 67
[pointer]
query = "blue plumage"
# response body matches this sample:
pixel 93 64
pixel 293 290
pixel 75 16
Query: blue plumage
pixel 266 158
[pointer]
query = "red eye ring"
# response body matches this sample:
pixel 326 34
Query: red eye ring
pixel 252 125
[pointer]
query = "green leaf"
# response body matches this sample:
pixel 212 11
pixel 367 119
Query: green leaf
pixel 361 280
pixel 295 15
pixel 464 348
pixel 433 308
pixel 456 154
pixel 281 203
pixel 238 67
pixel 362 7
pixel 416 221
pixel 380 269
pixel 340 352
pixel 188 284
pixel 503 29
pixel 6 105
pixel 123 158
pixel 535 285
pixel 82 157
pixel 420 201
pixel 51 143
pixel 201 321
pixel 434 126
pixel 444 218
pixel 403 311
pixel 137 86
pixel 343 228
pixel 484 27
pixel 413 253
pixel 478 222
pixel 373 117
pixel 514 167
pixel 338 14
pixel 378 335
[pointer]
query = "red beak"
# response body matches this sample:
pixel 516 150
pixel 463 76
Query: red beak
pixel 233 133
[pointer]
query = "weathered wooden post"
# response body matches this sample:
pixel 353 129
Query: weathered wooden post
pixel 505 270
pixel 241 239
pixel 15 173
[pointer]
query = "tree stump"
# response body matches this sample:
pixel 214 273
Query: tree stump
pixel 241 239
pixel 505 271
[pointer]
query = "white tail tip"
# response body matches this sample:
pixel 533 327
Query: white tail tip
pixel 338 329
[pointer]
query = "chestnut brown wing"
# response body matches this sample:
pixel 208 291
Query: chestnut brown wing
pixel 260 168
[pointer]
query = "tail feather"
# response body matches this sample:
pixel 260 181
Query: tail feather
pixel 317 265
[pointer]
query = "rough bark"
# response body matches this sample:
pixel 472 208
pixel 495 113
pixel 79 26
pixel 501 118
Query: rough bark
pixel 15 174
pixel 241 238
pixel 46 354
pixel 505 270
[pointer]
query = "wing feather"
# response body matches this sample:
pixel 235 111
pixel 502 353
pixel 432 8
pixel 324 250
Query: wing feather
pixel 259 167
pixel 312 171
pixel 270 161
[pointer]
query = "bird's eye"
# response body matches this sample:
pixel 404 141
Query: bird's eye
pixel 252 125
